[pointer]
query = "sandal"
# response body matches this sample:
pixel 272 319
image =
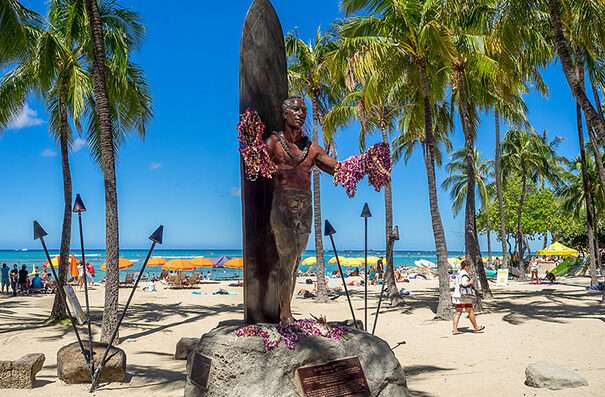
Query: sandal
pixel 456 332
pixel 480 330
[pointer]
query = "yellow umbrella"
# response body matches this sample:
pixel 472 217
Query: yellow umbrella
pixel 312 260
pixel 373 260
pixel 332 260
pixel 353 262
pixel 202 262
pixel 157 261
pixel 558 249
pixel 55 261
pixel 122 264
pixel 234 263
pixel 179 264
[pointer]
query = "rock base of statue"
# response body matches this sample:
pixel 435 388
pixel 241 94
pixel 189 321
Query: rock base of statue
pixel 227 365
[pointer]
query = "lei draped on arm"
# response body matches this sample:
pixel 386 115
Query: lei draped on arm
pixel 253 148
pixel 376 163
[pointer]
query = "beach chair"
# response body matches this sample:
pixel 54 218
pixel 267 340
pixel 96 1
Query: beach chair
pixel 194 279
pixel 128 281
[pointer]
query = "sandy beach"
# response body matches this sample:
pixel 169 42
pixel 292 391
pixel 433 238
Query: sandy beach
pixel 525 323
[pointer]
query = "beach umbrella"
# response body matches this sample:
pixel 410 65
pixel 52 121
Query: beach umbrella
pixel 373 260
pixel 558 249
pixel 353 262
pixel 220 261
pixel 312 260
pixel 156 261
pixel 179 264
pixel 122 264
pixel 235 263
pixel 333 260
pixel 73 264
pixel 202 262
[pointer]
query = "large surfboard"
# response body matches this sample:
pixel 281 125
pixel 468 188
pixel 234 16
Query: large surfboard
pixel 263 87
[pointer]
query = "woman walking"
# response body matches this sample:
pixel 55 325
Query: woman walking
pixel 463 298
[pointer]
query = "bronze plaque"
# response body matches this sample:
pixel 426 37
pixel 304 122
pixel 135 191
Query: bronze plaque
pixel 200 370
pixel 340 378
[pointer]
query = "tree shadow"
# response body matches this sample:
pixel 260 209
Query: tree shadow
pixel 152 377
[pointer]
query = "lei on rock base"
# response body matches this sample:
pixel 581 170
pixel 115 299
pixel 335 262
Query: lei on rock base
pixel 273 335
pixel 376 163
pixel 253 148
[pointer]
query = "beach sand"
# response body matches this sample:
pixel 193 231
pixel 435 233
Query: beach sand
pixel 525 323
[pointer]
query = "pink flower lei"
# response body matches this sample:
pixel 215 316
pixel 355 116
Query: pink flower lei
pixel 376 163
pixel 253 148
pixel 273 335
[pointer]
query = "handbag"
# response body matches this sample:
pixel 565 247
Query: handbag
pixel 467 292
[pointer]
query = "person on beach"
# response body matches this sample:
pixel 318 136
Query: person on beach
pixel 24 279
pixel 533 270
pixel 380 267
pixel 463 298
pixel 90 272
pixel 5 282
pixel 14 276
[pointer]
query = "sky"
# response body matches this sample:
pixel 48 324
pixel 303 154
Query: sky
pixel 185 173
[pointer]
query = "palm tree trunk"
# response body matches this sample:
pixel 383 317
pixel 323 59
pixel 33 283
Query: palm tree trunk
pixel 489 244
pixel 322 288
pixel 102 111
pixel 58 311
pixel 520 242
pixel 593 139
pixel 472 250
pixel 389 270
pixel 445 300
pixel 587 198
pixel 577 87
pixel 499 191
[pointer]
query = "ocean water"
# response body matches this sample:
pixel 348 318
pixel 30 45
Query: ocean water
pixel 97 257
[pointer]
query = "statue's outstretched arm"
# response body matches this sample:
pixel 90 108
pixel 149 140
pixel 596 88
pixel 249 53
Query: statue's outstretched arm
pixel 325 162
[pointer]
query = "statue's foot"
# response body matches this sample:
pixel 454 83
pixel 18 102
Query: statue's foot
pixel 284 322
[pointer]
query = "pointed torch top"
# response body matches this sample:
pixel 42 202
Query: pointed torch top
pixel 365 213
pixel 39 232
pixel 329 229
pixel 158 235
pixel 79 205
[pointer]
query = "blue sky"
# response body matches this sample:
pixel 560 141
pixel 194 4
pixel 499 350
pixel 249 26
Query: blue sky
pixel 185 173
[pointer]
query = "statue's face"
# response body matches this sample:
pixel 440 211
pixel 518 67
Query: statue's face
pixel 295 113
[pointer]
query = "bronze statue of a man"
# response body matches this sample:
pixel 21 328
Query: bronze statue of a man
pixel 291 211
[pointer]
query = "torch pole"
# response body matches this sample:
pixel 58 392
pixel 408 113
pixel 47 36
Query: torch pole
pixel 156 238
pixel 92 361
pixel 344 283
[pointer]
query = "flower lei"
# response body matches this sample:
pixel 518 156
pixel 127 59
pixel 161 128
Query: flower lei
pixel 273 335
pixel 253 148
pixel 376 163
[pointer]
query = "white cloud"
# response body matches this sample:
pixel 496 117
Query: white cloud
pixel 78 144
pixel 48 153
pixel 27 118
pixel 235 192
pixel 155 166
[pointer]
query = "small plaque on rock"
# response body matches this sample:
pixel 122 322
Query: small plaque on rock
pixel 339 378
pixel 200 370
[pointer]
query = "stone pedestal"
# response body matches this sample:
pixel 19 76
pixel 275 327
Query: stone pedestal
pixel 241 366
pixel 72 369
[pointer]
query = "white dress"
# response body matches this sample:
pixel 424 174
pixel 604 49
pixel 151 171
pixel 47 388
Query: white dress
pixel 462 278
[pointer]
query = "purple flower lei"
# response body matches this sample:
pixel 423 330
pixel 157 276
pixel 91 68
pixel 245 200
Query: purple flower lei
pixel 273 335
pixel 253 148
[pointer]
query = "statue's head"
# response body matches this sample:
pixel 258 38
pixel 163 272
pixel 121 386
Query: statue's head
pixel 295 112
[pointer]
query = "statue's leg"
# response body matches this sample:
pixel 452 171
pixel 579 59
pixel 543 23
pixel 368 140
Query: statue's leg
pixel 287 250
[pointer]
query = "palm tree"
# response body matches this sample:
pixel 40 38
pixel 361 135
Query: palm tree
pixel 104 138
pixel 18 25
pixel 309 76
pixel 371 104
pixel 526 155
pixel 408 37
pixel 591 15
pixel 56 68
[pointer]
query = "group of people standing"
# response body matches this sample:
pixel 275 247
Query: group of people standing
pixel 15 280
